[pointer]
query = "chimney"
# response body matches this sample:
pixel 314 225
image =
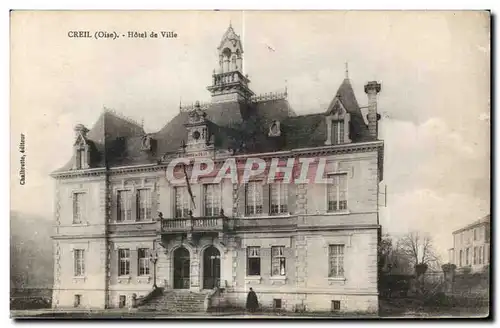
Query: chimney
pixel 372 88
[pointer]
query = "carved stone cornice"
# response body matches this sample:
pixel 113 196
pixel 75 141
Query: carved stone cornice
pixel 315 151
pixel 79 173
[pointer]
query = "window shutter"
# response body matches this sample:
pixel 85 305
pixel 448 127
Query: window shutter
pixel 265 261
pixel 134 207
pixel 289 253
pixel 154 204
pixel 114 207
pixel 113 268
pixel 320 202
pixel 266 199
pixel 292 198
pixel 134 263
pixel 241 199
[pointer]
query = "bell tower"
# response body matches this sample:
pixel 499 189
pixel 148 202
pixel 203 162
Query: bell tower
pixel 228 81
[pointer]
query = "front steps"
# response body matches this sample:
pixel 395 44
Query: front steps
pixel 176 301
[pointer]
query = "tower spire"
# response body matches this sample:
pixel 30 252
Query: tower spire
pixel 346 70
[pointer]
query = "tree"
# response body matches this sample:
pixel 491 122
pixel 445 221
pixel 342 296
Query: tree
pixel 419 249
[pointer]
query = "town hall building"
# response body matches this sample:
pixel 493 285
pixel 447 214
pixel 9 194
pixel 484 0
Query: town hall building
pixel 125 236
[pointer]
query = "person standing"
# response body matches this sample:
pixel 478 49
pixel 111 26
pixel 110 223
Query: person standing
pixel 252 301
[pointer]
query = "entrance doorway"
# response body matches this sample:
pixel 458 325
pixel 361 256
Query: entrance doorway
pixel 211 268
pixel 181 268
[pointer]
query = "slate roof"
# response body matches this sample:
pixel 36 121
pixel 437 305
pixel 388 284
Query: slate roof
pixel 110 139
pixel 236 125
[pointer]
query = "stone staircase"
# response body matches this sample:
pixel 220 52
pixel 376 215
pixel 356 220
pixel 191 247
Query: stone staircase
pixel 176 301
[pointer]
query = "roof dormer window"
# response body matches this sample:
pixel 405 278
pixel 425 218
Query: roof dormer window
pixel 274 129
pixel 81 148
pixel 337 123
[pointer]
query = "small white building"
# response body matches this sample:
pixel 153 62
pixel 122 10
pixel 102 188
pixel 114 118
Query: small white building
pixel 471 246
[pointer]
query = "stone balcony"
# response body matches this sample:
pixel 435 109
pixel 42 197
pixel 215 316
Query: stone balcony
pixel 199 224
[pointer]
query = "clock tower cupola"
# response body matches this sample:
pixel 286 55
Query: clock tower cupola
pixel 229 83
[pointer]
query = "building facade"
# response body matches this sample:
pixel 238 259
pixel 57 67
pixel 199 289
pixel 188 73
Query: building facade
pixel 123 226
pixel 471 246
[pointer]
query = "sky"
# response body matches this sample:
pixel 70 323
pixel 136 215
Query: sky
pixel 434 68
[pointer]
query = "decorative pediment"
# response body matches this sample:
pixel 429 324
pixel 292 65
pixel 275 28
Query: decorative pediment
pixel 81 140
pixel 336 109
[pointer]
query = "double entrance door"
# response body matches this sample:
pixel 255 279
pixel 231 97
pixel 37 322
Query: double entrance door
pixel 211 268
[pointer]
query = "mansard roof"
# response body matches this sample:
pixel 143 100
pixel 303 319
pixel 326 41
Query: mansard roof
pixel 243 127
pixel 108 139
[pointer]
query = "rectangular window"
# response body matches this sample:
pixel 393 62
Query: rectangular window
pixel 122 301
pixel 253 261
pixel 254 198
pixel 480 255
pixel 77 300
pixel 182 202
pixel 337 132
pixel 124 206
pixel 475 234
pixel 82 159
pixel 143 205
pixel 460 258
pixel 487 233
pixel 143 258
pixel 475 254
pixel 124 262
pixel 79 262
pixel 337 193
pixel 78 208
pixel 335 306
pixel 277 303
pixel 278 261
pixel 212 199
pixel 467 256
pixel 336 261
pixel 279 198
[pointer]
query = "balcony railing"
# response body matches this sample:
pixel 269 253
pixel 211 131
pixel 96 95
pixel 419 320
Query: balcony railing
pixel 200 224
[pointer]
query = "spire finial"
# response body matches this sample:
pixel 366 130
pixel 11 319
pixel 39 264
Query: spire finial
pixel 180 102
pixel 346 70
pixel 230 24
pixel 142 123
pixel 286 88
